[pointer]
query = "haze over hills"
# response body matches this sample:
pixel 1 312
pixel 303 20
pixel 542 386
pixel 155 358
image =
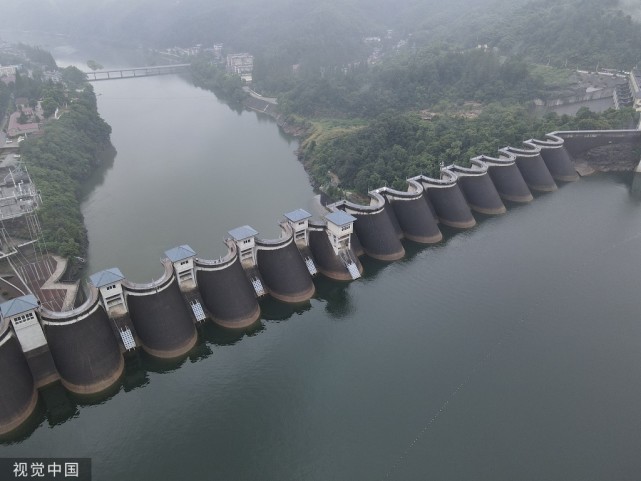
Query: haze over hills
pixel 249 23
pixel 430 62
pixel 282 33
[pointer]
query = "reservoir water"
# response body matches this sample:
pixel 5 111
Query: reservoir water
pixel 510 351
pixel 202 168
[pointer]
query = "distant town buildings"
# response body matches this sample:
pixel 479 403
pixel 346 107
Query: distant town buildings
pixel 218 51
pixel 8 70
pixel 241 64
pixel 34 116
pixel 54 76
pixel 178 52
pixel 376 56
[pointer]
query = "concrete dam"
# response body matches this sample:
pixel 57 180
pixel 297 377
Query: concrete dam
pixel 84 349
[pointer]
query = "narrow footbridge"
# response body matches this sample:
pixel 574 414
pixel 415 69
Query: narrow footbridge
pixel 122 73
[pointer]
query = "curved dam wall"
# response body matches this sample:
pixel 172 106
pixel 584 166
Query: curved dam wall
pixel 478 188
pixel 392 217
pixel 507 178
pixel 532 168
pixel 357 247
pixel 84 343
pixel 327 262
pixel 18 394
pixel 414 216
pixel 448 201
pixel 375 229
pixel 83 347
pixel 160 316
pixel 283 268
pixel 556 158
pixel 226 291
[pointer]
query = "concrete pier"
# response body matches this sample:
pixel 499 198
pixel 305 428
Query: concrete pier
pixel 18 394
pixel 532 168
pixel 226 291
pixel 447 200
pixel 478 188
pixel 374 228
pixel 556 158
pixel 280 264
pixel 507 178
pixel 84 347
pixel 415 218
pixel 160 316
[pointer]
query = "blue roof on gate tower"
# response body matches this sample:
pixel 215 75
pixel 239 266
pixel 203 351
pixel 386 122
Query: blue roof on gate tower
pixel 19 305
pixel 243 232
pixel 108 276
pixel 180 253
pixel 340 218
pixel 298 215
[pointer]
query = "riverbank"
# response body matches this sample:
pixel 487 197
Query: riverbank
pixel 60 160
pixel 389 149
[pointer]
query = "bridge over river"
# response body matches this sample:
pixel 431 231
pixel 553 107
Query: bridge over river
pixel 122 73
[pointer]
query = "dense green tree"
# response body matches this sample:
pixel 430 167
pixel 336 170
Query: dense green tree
pixel 397 146
pixel 59 160
pixel 93 65
pixel 424 79
pixel 73 77
pixel 211 76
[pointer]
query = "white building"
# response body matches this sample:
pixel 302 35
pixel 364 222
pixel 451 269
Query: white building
pixel 8 70
pixel 182 258
pixel 245 239
pixel 241 64
pixel 109 283
pixel 340 226
pixel 21 313
pixel 299 221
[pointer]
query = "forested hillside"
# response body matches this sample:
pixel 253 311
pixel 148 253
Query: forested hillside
pixel 428 78
pixel 398 146
pixel 578 33
pixel 436 56
pixel 59 160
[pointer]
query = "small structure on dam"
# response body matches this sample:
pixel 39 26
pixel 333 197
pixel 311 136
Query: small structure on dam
pixel 84 347
pixel 21 314
pixel 331 245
